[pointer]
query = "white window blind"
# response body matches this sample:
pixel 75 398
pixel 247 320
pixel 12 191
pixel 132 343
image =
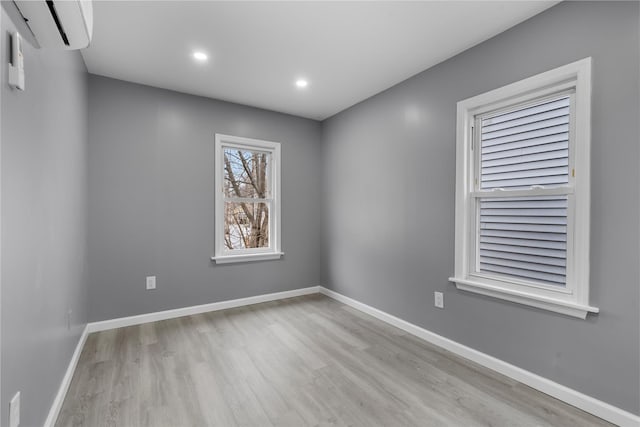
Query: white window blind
pixel 525 237
pixel 525 147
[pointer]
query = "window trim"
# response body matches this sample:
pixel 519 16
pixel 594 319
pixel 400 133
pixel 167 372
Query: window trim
pixel 574 299
pixel 223 256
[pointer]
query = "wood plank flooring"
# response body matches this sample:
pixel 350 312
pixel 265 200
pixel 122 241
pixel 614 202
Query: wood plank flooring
pixel 306 361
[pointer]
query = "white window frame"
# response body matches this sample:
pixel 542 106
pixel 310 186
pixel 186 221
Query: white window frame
pixel 573 299
pixel 222 254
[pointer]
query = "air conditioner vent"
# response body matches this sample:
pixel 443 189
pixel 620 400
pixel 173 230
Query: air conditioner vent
pixel 61 24
pixel 56 19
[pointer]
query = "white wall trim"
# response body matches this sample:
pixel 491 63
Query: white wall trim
pixel 567 308
pixel 66 380
pixel 229 259
pixel 196 309
pixel 586 403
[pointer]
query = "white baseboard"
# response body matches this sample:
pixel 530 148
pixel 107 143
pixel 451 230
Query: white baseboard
pixel 586 403
pixel 196 309
pixel 66 381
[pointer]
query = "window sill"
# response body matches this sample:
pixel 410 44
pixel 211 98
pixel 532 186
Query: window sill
pixel 228 259
pixel 551 304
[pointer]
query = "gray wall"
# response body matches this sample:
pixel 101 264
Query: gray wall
pixel 151 200
pixel 396 245
pixel 150 206
pixel 44 148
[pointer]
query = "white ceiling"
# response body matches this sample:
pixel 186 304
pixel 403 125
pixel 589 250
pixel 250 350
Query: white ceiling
pixel 348 51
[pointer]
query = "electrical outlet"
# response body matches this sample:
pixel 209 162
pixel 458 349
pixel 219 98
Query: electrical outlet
pixel 151 282
pixel 438 298
pixel 14 411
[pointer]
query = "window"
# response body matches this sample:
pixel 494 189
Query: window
pixel 522 191
pixel 247 185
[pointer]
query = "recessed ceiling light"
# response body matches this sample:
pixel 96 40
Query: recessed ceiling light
pixel 302 83
pixel 200 56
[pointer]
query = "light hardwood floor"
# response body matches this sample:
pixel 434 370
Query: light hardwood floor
pixel 306 361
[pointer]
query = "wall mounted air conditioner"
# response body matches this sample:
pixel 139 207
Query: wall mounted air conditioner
pixel 59 24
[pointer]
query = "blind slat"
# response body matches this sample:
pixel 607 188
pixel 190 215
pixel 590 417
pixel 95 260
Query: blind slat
pixel 524 265
pixel 547 278
pixel 541 262
pixel 540 228
pixel 525 128
pixel 526 182
pixel 523 112
pixel 538 220
pixel 526 173
pixel 532 203
pixel 527 212
pixel 549 114
pixel 525 136
pixel 518 157
pixel 524 250
pixel 529 146
pixel 547 243
pixel 531 166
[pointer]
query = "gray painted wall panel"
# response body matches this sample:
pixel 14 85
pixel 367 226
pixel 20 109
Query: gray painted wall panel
pixel 396 245
pixel 151 200
pixel 44 148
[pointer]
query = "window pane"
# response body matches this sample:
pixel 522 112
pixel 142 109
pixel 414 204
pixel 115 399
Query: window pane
pixel 527 146
pixel 246 225
pixel 246 173
pixel 524 237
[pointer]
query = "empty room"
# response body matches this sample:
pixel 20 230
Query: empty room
pixel 320 213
